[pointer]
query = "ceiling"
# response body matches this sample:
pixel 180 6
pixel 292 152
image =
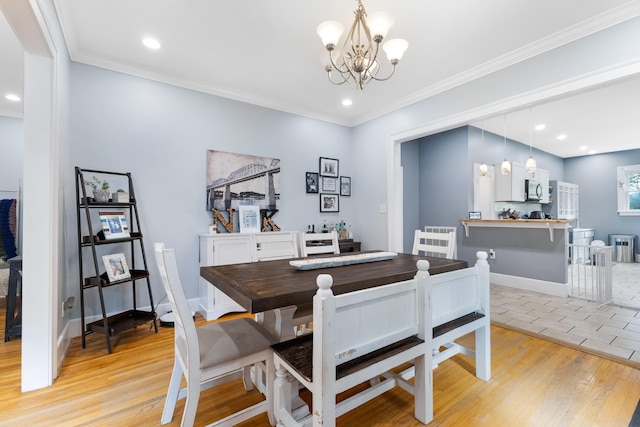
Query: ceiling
pixel 268 54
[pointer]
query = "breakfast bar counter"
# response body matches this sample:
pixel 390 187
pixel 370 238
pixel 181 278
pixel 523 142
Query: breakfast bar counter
pixel 547 224
pixel 524 253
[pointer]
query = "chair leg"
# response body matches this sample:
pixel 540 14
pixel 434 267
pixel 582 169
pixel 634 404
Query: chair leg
pixel 246 377
pixel 282 395
pixel 172 393
pixel 191 403
pixel 270 373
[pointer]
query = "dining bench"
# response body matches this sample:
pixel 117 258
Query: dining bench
pixel 357 337
pixel 458 303
pixel 461 305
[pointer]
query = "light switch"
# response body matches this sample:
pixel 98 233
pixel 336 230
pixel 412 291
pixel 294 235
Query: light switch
pixel 383 208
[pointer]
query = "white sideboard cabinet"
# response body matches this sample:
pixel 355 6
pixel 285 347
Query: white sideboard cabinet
pixel 232 248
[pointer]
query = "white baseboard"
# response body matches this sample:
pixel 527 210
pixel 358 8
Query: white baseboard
pixel 63 344
pixel 542 286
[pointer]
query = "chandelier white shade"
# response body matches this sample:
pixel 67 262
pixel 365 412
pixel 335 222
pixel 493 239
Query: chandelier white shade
pixel 358 63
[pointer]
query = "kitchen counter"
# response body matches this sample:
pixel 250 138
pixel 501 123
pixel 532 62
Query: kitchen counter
pixel 548 224
pixel 528 254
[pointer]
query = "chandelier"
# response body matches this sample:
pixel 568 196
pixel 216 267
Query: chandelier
pixel 359 59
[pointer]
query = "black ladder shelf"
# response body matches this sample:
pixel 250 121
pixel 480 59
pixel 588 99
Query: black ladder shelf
pixel 92 238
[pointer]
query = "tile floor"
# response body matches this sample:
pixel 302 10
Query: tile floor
pixel 612 330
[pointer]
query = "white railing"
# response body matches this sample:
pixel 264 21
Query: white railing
pixel 590 276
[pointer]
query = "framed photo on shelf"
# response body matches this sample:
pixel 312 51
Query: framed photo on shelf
pixel 114 225
pixel 328 167
pixel 249 218
pixel 345 186
pixel 312 182
pixel 116 266
pixel 329 184
pixel 329 202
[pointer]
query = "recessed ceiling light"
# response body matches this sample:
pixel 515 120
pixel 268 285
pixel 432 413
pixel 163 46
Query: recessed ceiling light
pixel 584 147
pixel 347 102
pixel 562 136
pixel 12 97
pixel 593 152
pixel 151 43
pixel 541 126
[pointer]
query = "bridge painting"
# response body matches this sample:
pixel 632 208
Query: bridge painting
pixel 238 179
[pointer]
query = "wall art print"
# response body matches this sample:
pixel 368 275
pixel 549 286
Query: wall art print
pixel 239 179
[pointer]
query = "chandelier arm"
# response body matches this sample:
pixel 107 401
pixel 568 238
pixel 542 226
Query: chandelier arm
pixel 344 80
pixel 372 61
pixel 342 70
pixel 381 79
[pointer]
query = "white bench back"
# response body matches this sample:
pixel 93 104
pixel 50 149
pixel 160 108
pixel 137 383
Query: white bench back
pixel 355 323
pixel 460 292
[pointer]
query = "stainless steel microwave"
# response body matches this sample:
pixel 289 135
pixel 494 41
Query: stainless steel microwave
pixel 532 189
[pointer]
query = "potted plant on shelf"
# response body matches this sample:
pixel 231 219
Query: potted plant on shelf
pixel 120 196
pixel 100 189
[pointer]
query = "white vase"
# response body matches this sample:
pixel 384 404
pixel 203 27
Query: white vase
pixel 101 196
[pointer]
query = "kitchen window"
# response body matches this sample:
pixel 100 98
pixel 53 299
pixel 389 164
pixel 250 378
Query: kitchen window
pixel 629 190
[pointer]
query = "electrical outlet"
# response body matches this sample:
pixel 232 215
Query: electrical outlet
pixel 492 254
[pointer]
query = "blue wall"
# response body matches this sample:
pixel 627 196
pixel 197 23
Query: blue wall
pixel 597 177
pixel 161 133
pixel 12 159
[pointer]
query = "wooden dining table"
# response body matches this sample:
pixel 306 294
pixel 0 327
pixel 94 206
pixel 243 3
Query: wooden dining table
pixel 274 290
pixel 261 287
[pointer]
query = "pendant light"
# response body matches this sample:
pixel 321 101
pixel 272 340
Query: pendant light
pixel 506 164
pixel 484 169
pixel 531 162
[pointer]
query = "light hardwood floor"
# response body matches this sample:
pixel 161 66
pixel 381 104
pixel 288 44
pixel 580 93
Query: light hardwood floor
pixel 534 383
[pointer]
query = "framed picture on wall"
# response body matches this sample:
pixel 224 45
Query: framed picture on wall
pixel 249 218
pixel 328 167
pixel 329 184
pixel 345 186
pixel 312 182
pixel 329 202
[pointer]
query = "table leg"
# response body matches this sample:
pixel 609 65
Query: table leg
pixel 278 322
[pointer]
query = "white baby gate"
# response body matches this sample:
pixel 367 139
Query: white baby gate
pixel 590 276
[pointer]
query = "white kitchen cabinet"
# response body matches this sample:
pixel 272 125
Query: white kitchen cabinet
pixel 232 248
pixel 568 200
pixel 510 188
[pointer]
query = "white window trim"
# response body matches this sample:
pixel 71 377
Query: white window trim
pixel 622 181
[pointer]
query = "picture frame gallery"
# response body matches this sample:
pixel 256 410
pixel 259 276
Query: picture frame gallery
pixel 329 202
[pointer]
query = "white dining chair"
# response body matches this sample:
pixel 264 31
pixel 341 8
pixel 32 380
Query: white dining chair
pixel 313 244
pixel 319 243
pixel 433 244
pixel 212 354
pixel 277 245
